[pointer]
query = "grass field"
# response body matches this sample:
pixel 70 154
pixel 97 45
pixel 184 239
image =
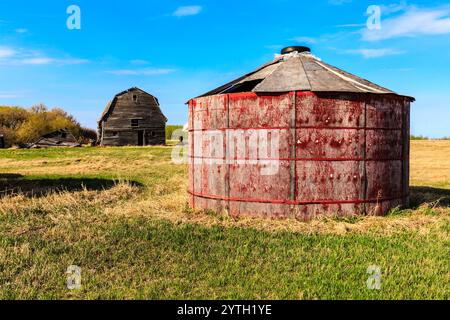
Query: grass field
pixel 121 215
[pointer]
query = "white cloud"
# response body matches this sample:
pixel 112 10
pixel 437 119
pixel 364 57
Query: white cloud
pixel 6 52
pixel 412 22
pixel 375 53
pixel 47 60
pixel 395 7
pixel 338 2
pixel 71 61
pixel 307 40
pixel 141 72
pixel 139 62
pixel 7 95
pixel 21 30
pixel 36 61
pixel 187 11
pixel 385 10
pixel 17 56
pixel 350 25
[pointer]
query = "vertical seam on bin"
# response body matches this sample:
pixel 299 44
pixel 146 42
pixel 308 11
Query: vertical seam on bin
pixel 294 127
pixel 191 106
pixel 292 151
pixel 403 153
pixel 365 180
pixel 408 151
pixel 295 147
pixel 226 155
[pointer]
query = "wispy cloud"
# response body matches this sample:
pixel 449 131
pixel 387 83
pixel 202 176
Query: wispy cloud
pixel 21 30
pixel 141 72
pixel 47 60
pixel 6 52
pixel 387 9
pixel 375 53
pixel 338 2
pixel 351 25
pixel 71 61
pixel 36 61
pixel 8 95
pixel 307 40
pixel 187 11
pixel 16 57
pixel 139 62
pixel 411 23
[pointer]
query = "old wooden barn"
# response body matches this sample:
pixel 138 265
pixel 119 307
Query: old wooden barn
pixel 132 118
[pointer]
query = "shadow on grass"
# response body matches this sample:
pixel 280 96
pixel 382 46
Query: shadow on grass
pixel 422 195
pixel 15 183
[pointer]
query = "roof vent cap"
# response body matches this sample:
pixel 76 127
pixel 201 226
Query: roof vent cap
pixel 298 49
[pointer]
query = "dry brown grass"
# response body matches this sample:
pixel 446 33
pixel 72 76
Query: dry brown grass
pixel 423 220
pixel 430 163
pixel 62 208
pixel 125 200
pixel 165 198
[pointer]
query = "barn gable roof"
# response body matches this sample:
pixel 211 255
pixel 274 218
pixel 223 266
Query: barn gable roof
pixel 111 104
pixel 299 71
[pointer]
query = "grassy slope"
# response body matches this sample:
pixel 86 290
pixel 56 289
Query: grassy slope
pixel 138 240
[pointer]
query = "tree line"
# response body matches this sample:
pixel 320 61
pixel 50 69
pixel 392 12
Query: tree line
pixel 22 126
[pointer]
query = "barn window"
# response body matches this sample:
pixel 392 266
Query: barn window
pixel 153 134
pixel 135 98
pixel 63 135
pixel 135 123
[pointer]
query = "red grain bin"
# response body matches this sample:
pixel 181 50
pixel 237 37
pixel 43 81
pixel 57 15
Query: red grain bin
pixel 299 138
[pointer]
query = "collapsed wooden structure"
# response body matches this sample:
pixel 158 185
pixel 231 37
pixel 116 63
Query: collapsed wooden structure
pixel 58 138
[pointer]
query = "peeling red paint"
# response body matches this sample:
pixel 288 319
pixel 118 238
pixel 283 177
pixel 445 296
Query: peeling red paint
pixel 337 154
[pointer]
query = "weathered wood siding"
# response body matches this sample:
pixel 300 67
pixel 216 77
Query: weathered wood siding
pixel 60 138
pixel 116 127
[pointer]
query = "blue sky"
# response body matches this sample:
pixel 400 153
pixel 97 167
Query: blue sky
pixel 179 49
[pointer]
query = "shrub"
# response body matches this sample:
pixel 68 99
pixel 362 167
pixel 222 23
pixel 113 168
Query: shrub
pixel 21 126
pixel 413 137
pixel 170 130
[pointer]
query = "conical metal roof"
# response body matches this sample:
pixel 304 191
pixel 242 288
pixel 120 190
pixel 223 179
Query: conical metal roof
pixel 299 71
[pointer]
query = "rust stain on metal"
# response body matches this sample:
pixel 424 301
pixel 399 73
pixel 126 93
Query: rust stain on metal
pixel 336 152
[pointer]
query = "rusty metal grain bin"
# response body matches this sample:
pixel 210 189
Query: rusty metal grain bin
pixel 299 138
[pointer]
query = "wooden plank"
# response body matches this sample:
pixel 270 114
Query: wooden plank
pixel 332 111
pixel 289 76
pixel 329 180
pixel 322 80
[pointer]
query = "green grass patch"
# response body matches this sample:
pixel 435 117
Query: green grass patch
pixel 145 258
pixel 139 240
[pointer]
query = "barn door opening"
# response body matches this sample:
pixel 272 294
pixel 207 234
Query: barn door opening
pixel 141 138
